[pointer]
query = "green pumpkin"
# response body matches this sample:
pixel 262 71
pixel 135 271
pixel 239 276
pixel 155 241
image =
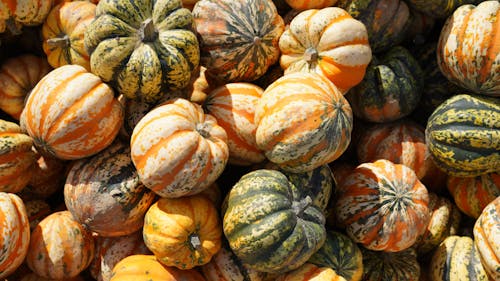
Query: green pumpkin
pixel 390 266
pixel 271 224
pixel 438 8
pixel 462 135
pixel 391 88
pixel 144 49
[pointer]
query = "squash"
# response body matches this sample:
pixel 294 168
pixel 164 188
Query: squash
pixel 303 121
pixel 462 135
pixel 17 160
pixel 391 266
pixel 16 14
pixel 486 233
pixel 178 150
pixel 63 33
pixel 104 193
pixel 329 42
pixel 271 224
pixel 18 75
pixel 60 248
pixel 438 8
pixel 15 235
pixel 183 232
pixel 72 114
pixel 238 38
pixel 310 4
pixel 377 201
pixel 143 49
pixel 468 52
pixel 189 4
pixel 311 272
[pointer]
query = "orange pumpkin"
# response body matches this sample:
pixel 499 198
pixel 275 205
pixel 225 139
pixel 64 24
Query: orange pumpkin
pixel 15 14
pixel 189 4
pixel 311 272
pixel 486 238
pixel 72 114
pixel 310 4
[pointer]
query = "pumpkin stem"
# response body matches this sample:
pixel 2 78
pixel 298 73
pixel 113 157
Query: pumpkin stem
pixel 195 242
pixel 60 42
pixel 300 207
pixel 203 130
pixel 311 55
pixel 257 40
pixel 147 31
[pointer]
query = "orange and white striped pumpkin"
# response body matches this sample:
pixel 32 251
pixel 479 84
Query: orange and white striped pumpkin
pixel 60 248
pixel 14 233
pixel 310 4
pixel 178 150
pixel 233 105
pixel 72 114
pixel 311 272
pixel 327 41
pixel 487 238
pixel 303 121
pixel 468 51
pixel 15 14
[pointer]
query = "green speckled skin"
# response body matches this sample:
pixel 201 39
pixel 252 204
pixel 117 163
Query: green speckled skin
pixel 266 226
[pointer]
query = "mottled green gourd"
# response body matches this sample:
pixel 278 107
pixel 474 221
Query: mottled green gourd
pixel 438 8
pixel 385 266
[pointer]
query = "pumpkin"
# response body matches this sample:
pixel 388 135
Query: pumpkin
pixel 16 157
pixel 462 135
pixel 472 194
pixel 147 267
pixel 15 14
pixel 311 272
pixel 468 52
pixel 340 253
pixel 143 50
pixel 271 224
pixel 104 193
pixel 310 4
pixel 486 233
pixel 239 38
pixel 36 210
pixel 18 75
pixel 438 8
pixel 189 4
pixel 420 29
pixel 178 150
pixel 391 88
pixel 60 247
pixel 386 21
pixel 457 258
pixel 390 266
pixel 183 232
pixel 72 114
pixel 63 33
pixel 233 105
pixel 303 121
pixel 377 201
pixel 15 235
pixel 329 42
pixel 57 2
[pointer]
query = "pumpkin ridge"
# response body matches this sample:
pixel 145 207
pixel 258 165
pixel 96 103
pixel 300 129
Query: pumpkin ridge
pixel 492 51
pixel 459 48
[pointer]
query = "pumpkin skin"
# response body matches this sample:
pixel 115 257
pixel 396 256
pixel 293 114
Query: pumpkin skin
pixel 18 75
pixel 457 258
pixel 147 267
pixel 63 33
pixel 486 233
pixel 104 193
pixel 311 272
pixel 303 121
pixel 472 194
pixel 379 199
pixel 329 42
pixel 16 157
pixel 239 38
pixel 461 135
pixel 395 266
pixel 233 105
pixel 271 224
pixel 438 8
pixel 15 233
pixel 183 232
pixel 310 4
pixel 60 247
pixel 468 52
pixel 178 150
pixel 15 14
pixel 143 51
pixel 67 111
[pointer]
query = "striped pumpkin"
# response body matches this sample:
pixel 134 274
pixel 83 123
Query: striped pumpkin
pixel 63 32
pixel 104 193
pixel 233 105
pixel 487 238
pixel 303 121
pixel 310 4
pixel 457 259
pixel 60 248
pixel 18 75
pixel 438 8
pixel 15 233
pixel 143 50
pixel 311 272
pixel 17 159
pixel 183 232
pixel 15 14
pixel 384 266
pixel 239 38
pixel 329 42
pixel 462 135
pixel 472 194
pixel 72 114
pixel 468 51
pixel 178 150
pixel 377 200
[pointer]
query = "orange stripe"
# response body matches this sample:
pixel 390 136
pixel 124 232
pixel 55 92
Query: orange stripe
pixel 232 135
pixel 492 52
pixel 461 34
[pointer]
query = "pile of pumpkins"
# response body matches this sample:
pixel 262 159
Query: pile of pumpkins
pixel 250 140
